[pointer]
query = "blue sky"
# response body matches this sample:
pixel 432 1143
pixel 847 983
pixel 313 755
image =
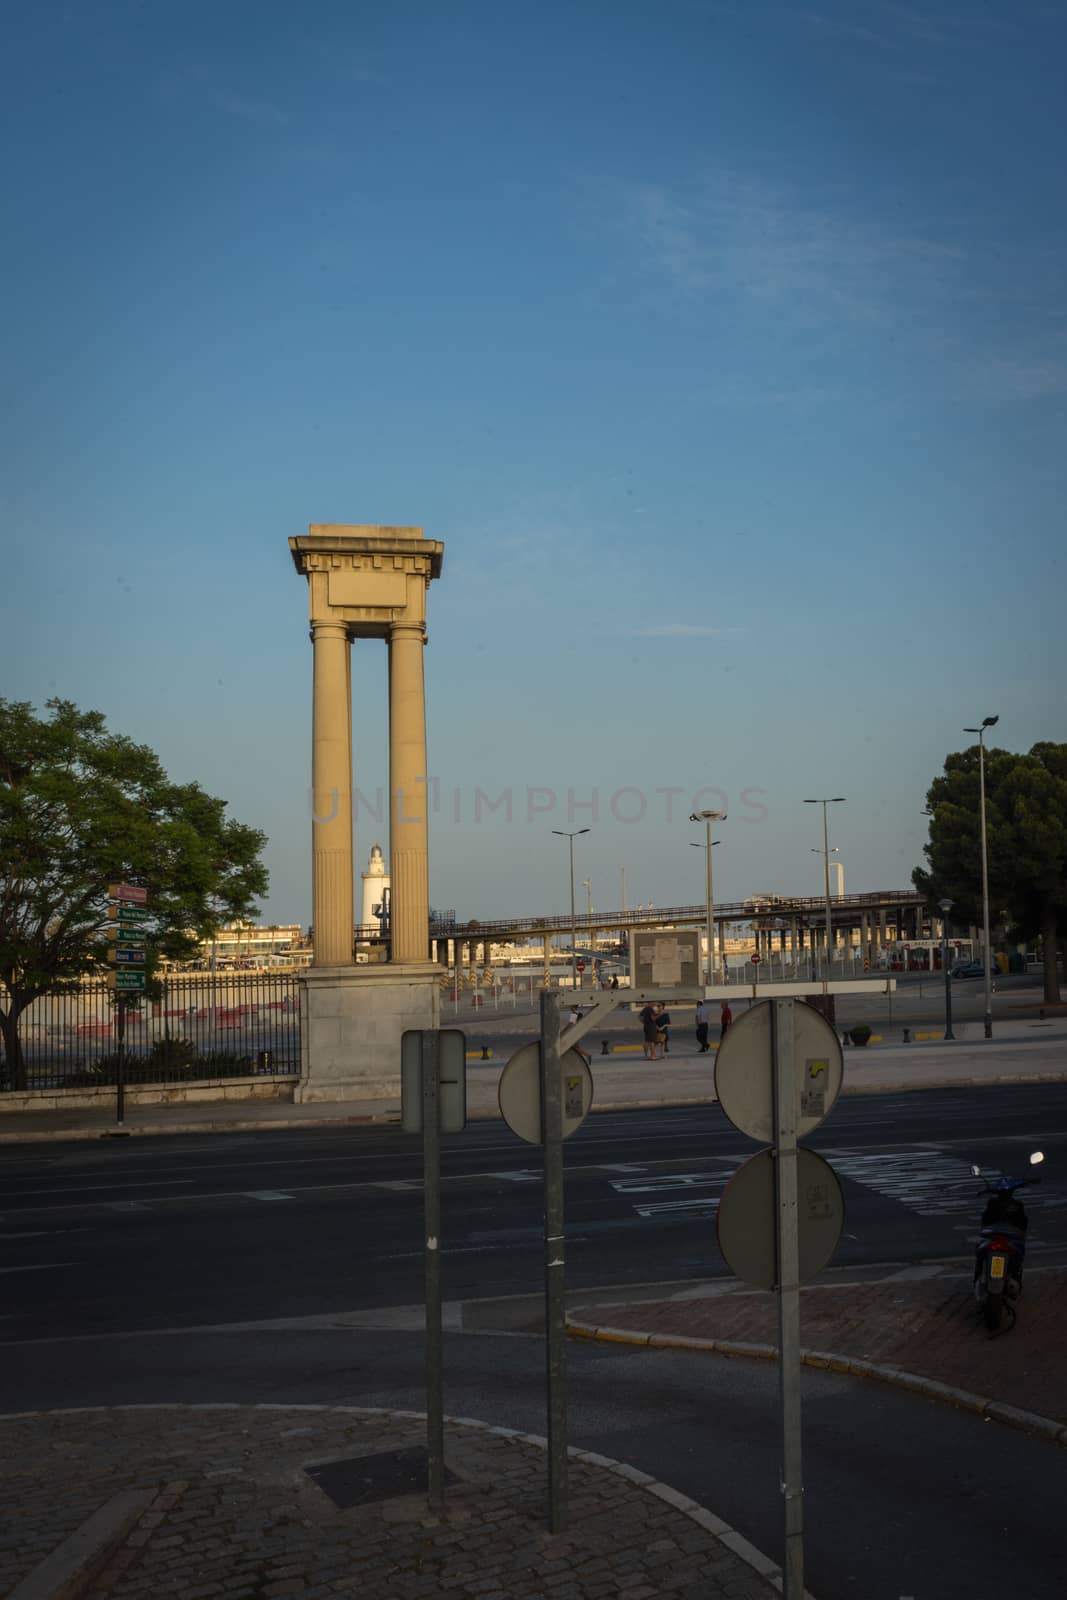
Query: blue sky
pixel 724 345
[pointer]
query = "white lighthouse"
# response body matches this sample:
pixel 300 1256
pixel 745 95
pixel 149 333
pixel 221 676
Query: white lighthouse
pixel 375 883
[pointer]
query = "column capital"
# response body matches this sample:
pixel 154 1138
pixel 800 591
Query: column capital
pixel 404 627
pixel 328 629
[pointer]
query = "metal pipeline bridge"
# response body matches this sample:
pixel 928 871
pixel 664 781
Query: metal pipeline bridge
pixel 876 911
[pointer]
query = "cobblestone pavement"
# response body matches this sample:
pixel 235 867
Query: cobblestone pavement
pixel 926 1326
pixel 235 1514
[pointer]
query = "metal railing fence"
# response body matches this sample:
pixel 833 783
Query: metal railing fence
pixel 226 1025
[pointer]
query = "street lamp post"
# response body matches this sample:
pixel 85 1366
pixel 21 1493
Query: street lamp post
pixel 987 1018
pixel 945 906
pixel 570 838
pixel 834 800
pixel 707 818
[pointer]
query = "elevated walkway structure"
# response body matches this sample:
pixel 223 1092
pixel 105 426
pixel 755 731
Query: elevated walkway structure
pixel 879 917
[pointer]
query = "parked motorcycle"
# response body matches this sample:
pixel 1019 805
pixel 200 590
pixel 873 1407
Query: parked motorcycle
pixel 998 1261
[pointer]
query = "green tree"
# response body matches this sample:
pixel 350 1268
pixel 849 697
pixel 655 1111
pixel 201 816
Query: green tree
pixel 81 808
pixel 1026 834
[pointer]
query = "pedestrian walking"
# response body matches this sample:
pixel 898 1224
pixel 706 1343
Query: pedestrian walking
pixel 703 1018
pixel 726 1016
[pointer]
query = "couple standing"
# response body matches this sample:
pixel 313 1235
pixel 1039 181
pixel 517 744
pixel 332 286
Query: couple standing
pixel 656 1029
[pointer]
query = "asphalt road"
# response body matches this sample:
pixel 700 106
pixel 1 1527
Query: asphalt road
pixel 110 1235
pixel 106 1243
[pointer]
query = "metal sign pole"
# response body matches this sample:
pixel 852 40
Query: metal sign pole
pixel 787 1255
pixel 431 1182
pixel 120 1064
pixel 555 1283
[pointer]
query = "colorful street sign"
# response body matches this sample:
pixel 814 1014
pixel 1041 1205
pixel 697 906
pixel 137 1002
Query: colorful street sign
pixel 128 980
pixel 124 957
pixel 127 933
pixel 131 892
pixel 126 913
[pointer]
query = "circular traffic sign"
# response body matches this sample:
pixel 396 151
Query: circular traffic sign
pixel 579 966
pixel 756 958
pixel 744 1080
pixel 519 1092
pixel 747 1217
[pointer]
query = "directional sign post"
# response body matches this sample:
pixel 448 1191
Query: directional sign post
pixel 777 1075
pixel 433 1100
pixel 555 1261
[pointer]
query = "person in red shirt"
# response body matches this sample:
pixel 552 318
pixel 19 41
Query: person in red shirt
pixel 726 1016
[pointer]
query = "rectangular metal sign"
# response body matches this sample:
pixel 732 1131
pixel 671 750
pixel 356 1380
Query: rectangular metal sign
pixel 124 957
pixel 453 1080
pixel 663 960
pixel 127 933
pixel 128 980
pixel 130 892
pixel 126 913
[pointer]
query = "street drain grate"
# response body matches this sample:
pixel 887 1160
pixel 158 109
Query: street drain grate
pixel 363 1480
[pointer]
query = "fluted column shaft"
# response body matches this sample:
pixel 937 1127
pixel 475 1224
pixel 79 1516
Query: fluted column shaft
pixel 408 797
pixel 331 779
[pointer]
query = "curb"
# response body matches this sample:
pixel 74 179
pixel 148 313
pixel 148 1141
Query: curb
pixel 153 1129
pixel 992 1410
pixel 490 1114
pixel 727 1536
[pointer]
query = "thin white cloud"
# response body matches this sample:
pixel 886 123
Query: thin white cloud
pixel 742 235
pixel 678 630
pixel 260 111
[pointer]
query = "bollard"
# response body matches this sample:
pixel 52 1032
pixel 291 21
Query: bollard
pixel 605 1047
pixel 263 1061
pixel 487 1054
pixel 907 1035
pixel 1041 1015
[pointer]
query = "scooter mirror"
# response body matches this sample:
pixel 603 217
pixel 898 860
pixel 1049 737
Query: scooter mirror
pixel 1037 1157
pixel 977 1171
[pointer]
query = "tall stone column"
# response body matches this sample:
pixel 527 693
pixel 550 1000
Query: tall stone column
pixel 409 799
pixel 331 779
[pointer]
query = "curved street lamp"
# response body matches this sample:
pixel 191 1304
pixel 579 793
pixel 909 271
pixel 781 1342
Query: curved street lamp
pixel 707 818
pixel 826 852
pixel 570 838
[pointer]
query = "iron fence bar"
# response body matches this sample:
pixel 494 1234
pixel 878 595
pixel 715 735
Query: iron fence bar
pixel 69 1038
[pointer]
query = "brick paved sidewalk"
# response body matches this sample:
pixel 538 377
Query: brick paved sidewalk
pixel 928 1327
pixel 232 1511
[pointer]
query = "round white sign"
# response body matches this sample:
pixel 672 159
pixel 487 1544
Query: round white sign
pixel 519 1092
pixel 747 1216
pixel 744 1081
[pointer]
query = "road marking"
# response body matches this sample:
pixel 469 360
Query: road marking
pixel 43 1266
pixel 266 1194
pixel 672 1180
pixel 158 1183
pixel 41 1233
pixel 706 1206
pixel 929 1183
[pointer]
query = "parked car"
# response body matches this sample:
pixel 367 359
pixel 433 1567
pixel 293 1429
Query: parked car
pixel 968 969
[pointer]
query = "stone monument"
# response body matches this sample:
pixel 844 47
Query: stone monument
pixel 366 582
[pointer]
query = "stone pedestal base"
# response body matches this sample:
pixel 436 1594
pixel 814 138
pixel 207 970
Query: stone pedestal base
pixel 351 1021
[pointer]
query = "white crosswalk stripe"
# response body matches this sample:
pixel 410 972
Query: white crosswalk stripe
pixel 927 1182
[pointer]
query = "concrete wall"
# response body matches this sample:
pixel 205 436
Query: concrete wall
pixel 151 1094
